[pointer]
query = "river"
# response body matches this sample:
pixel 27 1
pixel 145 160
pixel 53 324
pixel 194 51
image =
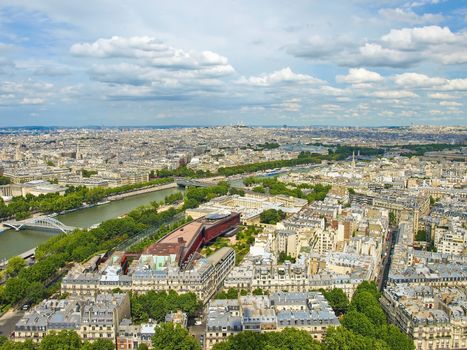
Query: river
pixel 16 242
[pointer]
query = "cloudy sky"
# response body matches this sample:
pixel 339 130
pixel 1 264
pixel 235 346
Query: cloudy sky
pixel 140 62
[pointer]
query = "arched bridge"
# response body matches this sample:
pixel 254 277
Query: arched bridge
pixel 40 222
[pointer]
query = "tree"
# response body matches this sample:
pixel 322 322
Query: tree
pixel 367 286
pixel 341 338
pixel 287 339
pixel 63 340
pixel 36 292
pixel 259 189
pixel 292 339
pixel 15 290
pixel 271 216
pixel 246 340
pixel 12 345
pixel 365 325
pixel 392 219
pixel 174 197
pixel 231 293
pixel 4 180
pixel 359 323
pixel 365 300
pixel 421 236
pixel 143 347
pixel 99 344
pixel 156 305
pixel 283 256
pixel 337 299
pixel 396 339
pixel 375 314
pixel 88 173
pixel 173 337
pixel 238 191
pixel 15 265
pixel 258 291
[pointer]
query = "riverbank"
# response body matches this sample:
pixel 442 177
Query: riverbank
pixel 141 191
pixel 16 242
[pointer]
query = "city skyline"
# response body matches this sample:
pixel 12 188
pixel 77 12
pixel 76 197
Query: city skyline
pixel 208 238
pixel 358 63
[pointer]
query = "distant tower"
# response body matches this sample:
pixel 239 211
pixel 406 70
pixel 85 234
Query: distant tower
pixel 18 155
pixel 353 159
pixel 78 152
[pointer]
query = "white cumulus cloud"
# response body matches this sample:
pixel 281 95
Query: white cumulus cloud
pixel 418 80
pixel 359 76
pixel 410 38
pixel 408 16
pixel 283 76
pixel 442 96
pixel 152 51
pixel 455 85
pixel 394 94
pixel 450 104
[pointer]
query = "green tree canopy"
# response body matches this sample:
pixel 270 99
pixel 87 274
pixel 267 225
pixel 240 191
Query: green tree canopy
pixel 231 293
pixel 15 265
pixel 359 323
pixel 341 338
pixel 4 180
pixel 246 340
pixel 283 256
pixel 365 325
pixel 271 216
pixel 292 339
pixel 15 289
pixel 173 337
pixel 337 299
pixel 155 305
pixel 63 340
pixel 287 339
pixel 12 345
pixel 99 344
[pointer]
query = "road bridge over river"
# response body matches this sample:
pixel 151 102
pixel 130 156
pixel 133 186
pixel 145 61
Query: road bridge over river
pixel 186 182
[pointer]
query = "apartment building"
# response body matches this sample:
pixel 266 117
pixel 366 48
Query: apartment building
pixel 307 311
pixel 298 277
pixel 203 277
pixel 435 317
pixel 91 317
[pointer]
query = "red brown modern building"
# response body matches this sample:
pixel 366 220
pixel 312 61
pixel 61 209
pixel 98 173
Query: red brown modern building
pixel 189 238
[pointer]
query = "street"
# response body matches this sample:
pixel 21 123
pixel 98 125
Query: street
pixel 386 262
pixel 8 321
